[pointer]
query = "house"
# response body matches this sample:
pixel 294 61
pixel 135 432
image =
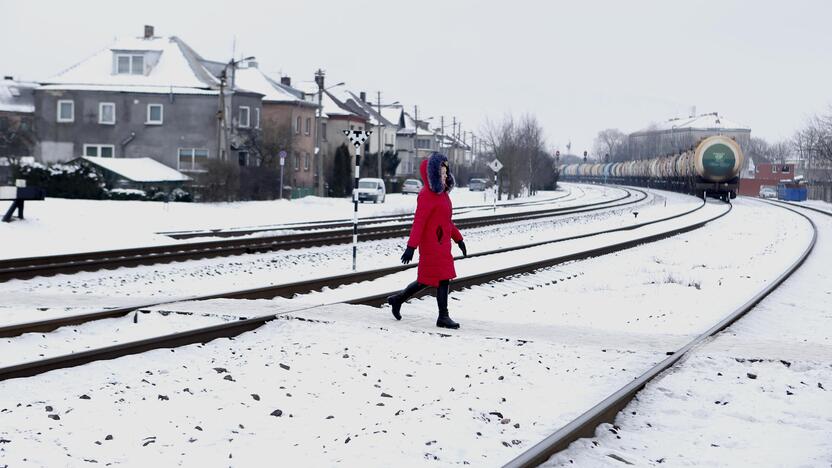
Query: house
pixel 415 143
pixel 287 122
pixel 145 96
pixel 384 129
pixel 754 176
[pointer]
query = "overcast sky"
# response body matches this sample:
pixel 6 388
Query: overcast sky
pixel 578 66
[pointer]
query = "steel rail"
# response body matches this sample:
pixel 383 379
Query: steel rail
pixel 21 268
pixel 606 411
pixel 232 329
pixel 333 223
pixel 289 290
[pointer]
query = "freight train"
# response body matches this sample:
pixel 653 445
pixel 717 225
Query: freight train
pixel 712 168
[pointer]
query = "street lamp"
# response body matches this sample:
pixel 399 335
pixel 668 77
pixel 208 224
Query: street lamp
pixel 379 105
pixel 319 80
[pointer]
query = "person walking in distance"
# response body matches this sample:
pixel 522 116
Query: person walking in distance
pixel 432 233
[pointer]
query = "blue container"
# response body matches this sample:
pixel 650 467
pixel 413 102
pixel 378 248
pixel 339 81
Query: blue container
pixel 792 194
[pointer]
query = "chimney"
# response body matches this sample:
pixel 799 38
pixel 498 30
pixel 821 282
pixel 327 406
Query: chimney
pixel 148 32
pixel 286 80
pixel 363 95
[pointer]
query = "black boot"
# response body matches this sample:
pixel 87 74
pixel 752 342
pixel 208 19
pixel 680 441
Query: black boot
pixel 396 300
pixel 444 320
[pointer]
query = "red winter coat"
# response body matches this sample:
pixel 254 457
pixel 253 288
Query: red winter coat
pixel 432 233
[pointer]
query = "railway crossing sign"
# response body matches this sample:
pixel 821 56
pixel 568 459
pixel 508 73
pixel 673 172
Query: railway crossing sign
pixel 495 165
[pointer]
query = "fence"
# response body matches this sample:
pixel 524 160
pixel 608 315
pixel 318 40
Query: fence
pixel 820 191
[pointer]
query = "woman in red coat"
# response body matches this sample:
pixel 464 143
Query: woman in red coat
pixel 432 233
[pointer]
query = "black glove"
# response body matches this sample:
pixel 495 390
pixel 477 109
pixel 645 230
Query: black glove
pixel 461 245
pixel 407 256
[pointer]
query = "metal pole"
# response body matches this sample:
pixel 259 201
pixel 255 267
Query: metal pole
pixel 281 177
pixel 496 191
pixel 319 123
pixel 355 207
pixel 378 150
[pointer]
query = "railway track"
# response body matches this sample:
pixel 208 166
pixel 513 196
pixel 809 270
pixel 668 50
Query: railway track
pixel 235 328
pixel 22 268
pixel 606 411
pixel 336 223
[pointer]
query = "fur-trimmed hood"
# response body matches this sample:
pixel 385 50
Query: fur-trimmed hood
pixel 431 175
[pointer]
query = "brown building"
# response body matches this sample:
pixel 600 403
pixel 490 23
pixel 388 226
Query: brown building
pixel 754 177
pixel 287 123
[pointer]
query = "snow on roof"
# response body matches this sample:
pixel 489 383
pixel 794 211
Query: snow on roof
pixel 139 169
pixel 393 114
pixel 252 79
pixel 17 96
pixel 712 121
pixel 410 126
pixel 168 62
pixel 374 117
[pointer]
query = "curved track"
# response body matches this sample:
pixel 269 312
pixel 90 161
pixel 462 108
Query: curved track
pixel 237 327
pixel 22 268
pixel 606 410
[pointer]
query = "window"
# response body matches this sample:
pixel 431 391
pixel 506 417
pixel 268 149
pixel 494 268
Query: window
pixel 155 114
pixel 323 131
pixel 256 117
pixel 422 143
pixel 66 111
pixel 107 113
pixel 297 160
pixel 192 159
pixel 773 169
pixel 130 64
pixel 99 151
pixel 308 129
pixel 242 157
pixel 244 120
pixel 306 162
pixel 297 125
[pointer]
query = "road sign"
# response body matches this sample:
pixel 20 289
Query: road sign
pixel 282 155
pixel 495 165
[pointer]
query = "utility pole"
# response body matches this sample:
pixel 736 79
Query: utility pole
pixel 442 131
pixel 221 114
pixel 380 131
pixel 319 157
pixel 416 133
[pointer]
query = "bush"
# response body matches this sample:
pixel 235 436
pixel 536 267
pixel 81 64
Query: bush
pixel 220 182
pixel 127 194
pixel 63 180
pixel 179 195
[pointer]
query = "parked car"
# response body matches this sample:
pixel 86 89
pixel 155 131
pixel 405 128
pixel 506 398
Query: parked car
pixel 768 192
pixel 412 186
pixel 477 185
pixel 371 189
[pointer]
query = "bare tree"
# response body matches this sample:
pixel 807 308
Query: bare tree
pixel 274 138
pixel 814 145
pixel 518 144
pixel 610 142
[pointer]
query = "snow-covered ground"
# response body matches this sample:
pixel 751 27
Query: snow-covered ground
pixel 759 394
pixel 58 225
pixel 47 297
pixel 349 385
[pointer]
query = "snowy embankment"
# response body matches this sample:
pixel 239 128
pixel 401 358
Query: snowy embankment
pixel 56 225
pixel 62 294
pixel 348 384
pixel 756 395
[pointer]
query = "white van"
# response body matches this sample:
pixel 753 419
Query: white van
pixel 371 189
